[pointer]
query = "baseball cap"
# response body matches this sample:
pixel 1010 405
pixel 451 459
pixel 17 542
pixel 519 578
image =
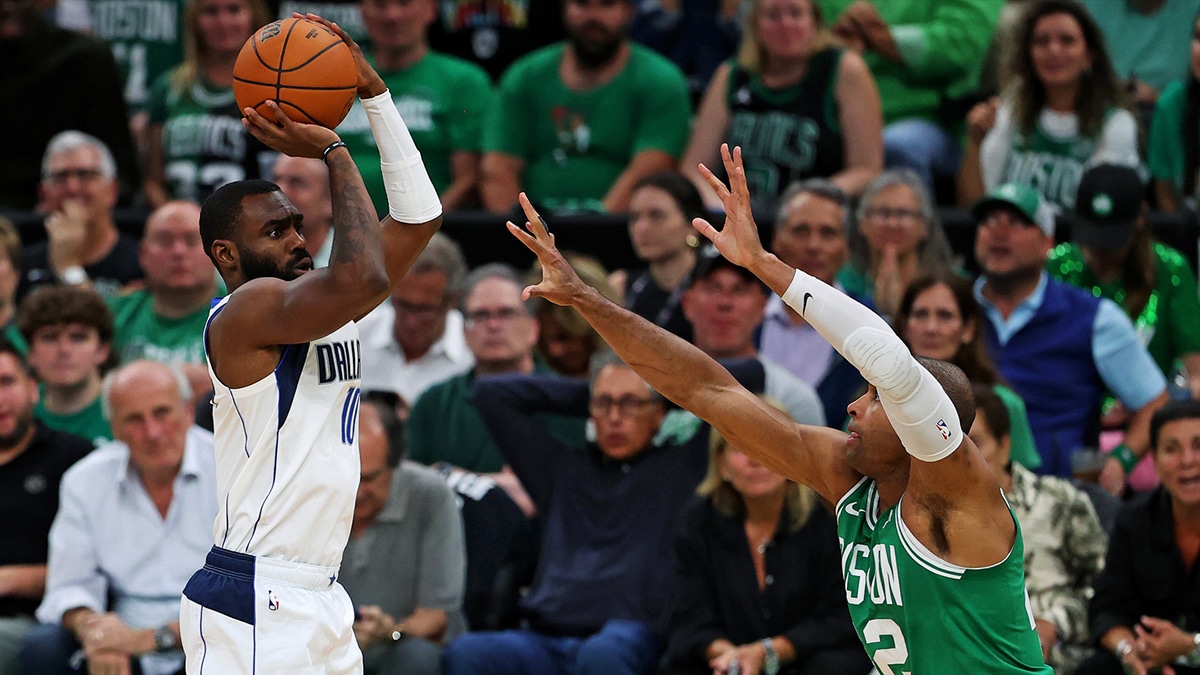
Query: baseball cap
pixel 1023 198
pixel 1107 206
pixel 709 259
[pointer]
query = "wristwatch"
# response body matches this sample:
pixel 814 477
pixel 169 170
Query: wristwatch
pixel 164 639
pixel 73 275
pixel 771 662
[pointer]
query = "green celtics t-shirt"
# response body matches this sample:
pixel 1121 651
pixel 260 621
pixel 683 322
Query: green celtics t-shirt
pixel 140 333
pixel 89 422
pixel 146 38
pixel 919 615
pixel 576 143
pixel 443 100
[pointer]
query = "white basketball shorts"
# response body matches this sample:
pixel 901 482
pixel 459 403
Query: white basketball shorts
pixel 254 616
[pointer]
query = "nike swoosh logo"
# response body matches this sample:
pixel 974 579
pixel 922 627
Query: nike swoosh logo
pixel 852 510
pixel 804 306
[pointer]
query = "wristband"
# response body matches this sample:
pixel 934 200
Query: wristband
pixel 1124 455
pixel 331 147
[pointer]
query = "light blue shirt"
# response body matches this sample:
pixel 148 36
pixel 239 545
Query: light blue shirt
pixel 1121 359
pixel 797 347
pixel 108 537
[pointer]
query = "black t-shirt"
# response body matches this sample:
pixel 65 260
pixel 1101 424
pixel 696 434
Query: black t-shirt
pixel 494 33
pixel 108 275
pixel 29 502
pixel 649 301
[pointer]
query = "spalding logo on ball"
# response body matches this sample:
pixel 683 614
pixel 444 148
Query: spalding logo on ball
pixel 301 65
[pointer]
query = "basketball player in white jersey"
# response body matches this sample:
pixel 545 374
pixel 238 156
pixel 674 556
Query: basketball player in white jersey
pixel 284 359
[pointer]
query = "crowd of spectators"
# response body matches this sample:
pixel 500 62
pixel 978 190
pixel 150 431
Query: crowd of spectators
pixel 527 503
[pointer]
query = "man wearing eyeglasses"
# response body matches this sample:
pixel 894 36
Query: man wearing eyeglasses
pixel 608 513
pixel 501 331
pixel 83 246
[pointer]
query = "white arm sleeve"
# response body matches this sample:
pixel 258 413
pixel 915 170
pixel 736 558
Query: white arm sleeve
pixel 410 194
pixel 920 410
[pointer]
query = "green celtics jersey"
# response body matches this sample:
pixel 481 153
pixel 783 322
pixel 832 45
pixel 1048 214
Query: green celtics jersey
pixel 919 615
pixel 204 143
pixel 1050 164
pixel 443 100
pixel 146 38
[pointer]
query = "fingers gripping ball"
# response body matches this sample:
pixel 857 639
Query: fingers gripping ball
pixel 302 66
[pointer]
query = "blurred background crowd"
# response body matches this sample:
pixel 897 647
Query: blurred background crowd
pixel 1011 184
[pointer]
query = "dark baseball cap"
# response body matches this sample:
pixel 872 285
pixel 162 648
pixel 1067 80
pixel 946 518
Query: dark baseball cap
pixel 1107 206
pixel 709 260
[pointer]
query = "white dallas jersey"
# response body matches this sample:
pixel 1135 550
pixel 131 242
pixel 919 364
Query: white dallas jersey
pixel 287 452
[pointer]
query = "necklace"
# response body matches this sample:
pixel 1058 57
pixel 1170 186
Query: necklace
pixel 762 546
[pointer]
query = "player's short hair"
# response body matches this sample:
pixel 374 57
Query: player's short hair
pixel 443 254
pixel 222 211
pixel 66 141
pixel 989 404
pixel 1171 412
pixel 62 305
pixel 957 387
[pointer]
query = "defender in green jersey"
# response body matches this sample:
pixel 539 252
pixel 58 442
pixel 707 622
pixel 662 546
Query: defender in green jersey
pixel 931 553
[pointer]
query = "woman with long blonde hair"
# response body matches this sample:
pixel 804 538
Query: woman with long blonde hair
pixel 195 141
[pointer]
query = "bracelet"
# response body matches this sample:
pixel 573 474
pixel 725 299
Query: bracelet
pixel 1124 455
pixel 331 147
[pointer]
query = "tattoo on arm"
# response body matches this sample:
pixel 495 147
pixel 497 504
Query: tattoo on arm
pixel 352 209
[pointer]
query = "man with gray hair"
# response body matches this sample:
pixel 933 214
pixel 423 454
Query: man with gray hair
pixel 77 192
pixel 500 331
pixel 416 340
pixel 810 235
pixel 135 520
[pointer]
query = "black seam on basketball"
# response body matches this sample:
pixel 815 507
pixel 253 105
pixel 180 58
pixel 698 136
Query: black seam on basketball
pixel 302 111
pixel 295 86
pixel 254 44
pixel 312 58
pixel 282 53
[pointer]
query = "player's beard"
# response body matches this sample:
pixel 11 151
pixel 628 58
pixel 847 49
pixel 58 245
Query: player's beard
pixel 595 54
pixel 255 266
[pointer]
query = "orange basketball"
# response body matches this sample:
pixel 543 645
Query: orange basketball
pixel 302 66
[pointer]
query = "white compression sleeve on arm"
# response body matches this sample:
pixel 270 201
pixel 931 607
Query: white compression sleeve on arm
pixel 920 410
pixel 410 194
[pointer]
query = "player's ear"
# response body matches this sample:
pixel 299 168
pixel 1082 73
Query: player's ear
pixel 224 252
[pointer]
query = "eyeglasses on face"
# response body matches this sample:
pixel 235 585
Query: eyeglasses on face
pixel 62 176
pixel 887 213
pixel 476 317
pixel 627 406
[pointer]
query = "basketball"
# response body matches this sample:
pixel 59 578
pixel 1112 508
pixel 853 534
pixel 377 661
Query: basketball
pixel 301 65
